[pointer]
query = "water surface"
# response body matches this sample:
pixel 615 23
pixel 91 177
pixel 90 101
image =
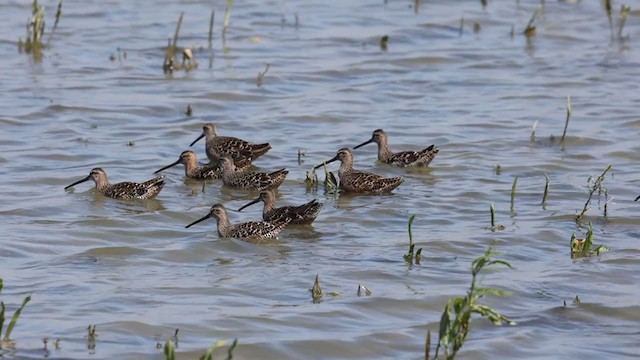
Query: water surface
pixel 132 269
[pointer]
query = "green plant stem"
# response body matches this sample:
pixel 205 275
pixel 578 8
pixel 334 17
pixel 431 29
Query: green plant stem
pixel 546 189
pixel 211 19
pixel 15 317
pixel 493 216
pixel 513 192
pixel 566 123
pixel 597 186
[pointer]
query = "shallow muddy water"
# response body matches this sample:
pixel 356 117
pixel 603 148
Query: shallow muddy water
pixel 133 270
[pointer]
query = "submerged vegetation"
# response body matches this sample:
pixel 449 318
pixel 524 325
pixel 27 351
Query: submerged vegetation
pixel 455 322
pixel 170 350
pixel 456 318
pixel 5 341
pixel 593 186
pixel 171 63
pixel 33 43
pixel 410 256
pixel 316 290
pixel 584 247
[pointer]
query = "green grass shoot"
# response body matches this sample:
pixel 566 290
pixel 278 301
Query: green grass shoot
pixel 456 317
pixel 493 216
pixel 566 123
pixel 261 75
pixel 170 62
pixel 227 18
pixel 546 191
pixel 211 20
pixel 584 247
pixel 593 185
pixel 624 13
pixel 513 192
pixel 14 318
pixel 410 256
pixel 169 350
pixel 316 290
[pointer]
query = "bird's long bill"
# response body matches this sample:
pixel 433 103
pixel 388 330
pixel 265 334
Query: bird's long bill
pixel 196 140
pixel 168 166
pixel 327 162
pixel 249 204
pixel 78 182
pixel 364 143
pixel 199 220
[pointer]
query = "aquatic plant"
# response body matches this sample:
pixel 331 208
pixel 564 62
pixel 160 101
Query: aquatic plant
pixel 170 350
pixel 456 317
pixel 546 191
pixel 624 13
pixel 362 288
pixel 513 192
pixel 593 185
pixel 530 30
pixel 170 61
pixel 35 31
pixel 609 12
pixel 410 257
pixel 6 340
pixel 316 291
pixel 227 18
pixel 384 41
pixel 91 337
pixel 330 182
pixel 566 123
pixel 583 247
pixel 311 180
pixel 211 20
pixel 261 75
pixel 494 227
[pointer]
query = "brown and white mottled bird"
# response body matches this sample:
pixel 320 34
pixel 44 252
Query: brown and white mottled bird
pixel 361 182
pixel 210 172
pixel 124 190
pixel 403 158
pixel 219 146
pixel 303 214
pixel 254 230
pixel 249 180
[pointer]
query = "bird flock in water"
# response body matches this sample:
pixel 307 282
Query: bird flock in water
pixel 230 159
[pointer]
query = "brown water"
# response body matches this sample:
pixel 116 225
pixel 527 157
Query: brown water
pixel 132 269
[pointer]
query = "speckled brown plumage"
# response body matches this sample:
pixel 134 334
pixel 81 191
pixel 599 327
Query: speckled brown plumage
pixel 299 215
pixel 124 190
pixel 361 182
pixel 255 181
pixel 254 230
pixel 209 172
pixel 402 159
pixel 219 146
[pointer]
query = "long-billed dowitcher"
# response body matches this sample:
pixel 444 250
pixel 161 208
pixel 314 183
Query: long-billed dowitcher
pixel 219 146
pixel 254 230
pixel 403 158
pixel 210 172
pixel 300 215
pixel 124 190
pixel 255 181
pixel 361 182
